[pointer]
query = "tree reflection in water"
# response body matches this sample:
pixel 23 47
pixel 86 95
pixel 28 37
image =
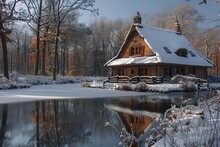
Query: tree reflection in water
pixel 58 123
pixel 3 124
pixel 78 122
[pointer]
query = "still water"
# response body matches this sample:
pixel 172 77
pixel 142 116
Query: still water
pixel 81 122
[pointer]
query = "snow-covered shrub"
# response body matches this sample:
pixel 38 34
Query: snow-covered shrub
pixel 14 76
pixel 93 84
pixel 127 139
pixel 3 80
pixel 188 86
pixel 141 87
pixel 123 87
pixel 86 84
pixel 177 79
pixel 189 126
pixel 97 84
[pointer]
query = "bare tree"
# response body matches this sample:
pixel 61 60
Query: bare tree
pixel 60 10
pixel 108 37
pixel 187 17
pixel 205 1
pixel 208 41
pixel 35 9
pixel 7 11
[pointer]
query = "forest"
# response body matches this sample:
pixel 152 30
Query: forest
pixel 44 37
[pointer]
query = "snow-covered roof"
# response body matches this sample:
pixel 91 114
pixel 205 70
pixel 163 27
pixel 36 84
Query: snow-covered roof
pixel 135 60
pixel 164 43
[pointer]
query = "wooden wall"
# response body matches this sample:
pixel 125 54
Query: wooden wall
pixel 161 70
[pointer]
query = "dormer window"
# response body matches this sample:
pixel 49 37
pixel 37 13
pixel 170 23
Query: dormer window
pixel 182 52
pixel 167 50
pixel 191 53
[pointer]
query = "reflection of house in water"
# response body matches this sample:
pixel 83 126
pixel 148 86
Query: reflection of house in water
pixel 138 120
pixel 138 112
pixel 153 103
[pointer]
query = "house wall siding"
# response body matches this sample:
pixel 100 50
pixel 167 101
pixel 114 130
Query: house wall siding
pixel 161 70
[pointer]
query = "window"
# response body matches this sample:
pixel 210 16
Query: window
pixel 132 51
pixel 194 71
pixel 167 50
pixel 131 119
pixel 136 51
pixel 121 71
pixel 182 52
pixel 142 71
pixel 132 71
pixel 140 50
pixel 191 53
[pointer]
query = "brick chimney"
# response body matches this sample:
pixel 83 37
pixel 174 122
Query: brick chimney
pixel 137 18
pixel 177 28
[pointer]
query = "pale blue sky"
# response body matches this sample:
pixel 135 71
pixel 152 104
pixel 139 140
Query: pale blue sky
pixel 125 9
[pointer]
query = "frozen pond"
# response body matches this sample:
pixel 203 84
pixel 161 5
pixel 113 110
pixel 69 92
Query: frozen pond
pixel 81 122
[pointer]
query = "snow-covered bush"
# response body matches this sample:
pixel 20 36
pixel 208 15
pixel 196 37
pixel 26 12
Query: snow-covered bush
pixel 14 76
pixel 13 83
pixel 24 81
pixel 188 86
pixel 141 87
pixel 127 139
pixel 189 126
pixel 124 87
pixel 86 84
pixel 178 79
pixel 93 84
pixel 3 80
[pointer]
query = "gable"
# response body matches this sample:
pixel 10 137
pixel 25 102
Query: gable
pixel 135 46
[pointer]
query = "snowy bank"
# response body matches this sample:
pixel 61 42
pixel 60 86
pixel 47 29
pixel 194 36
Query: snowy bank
pixel 26 81
pixel 189 126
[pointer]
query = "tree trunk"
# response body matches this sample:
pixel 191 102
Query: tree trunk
pixel 67 61
pixel 44 51
pixel 25 54
pixel 63 61
pixel 56 52
pixel 18 55
pixel 38 39
pixel 11 62
pixel 4 47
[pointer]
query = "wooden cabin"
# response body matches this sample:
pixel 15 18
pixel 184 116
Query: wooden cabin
pixel 151 51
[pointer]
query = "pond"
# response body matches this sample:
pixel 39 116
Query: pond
pixel 81 122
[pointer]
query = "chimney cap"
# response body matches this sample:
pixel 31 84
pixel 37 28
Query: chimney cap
pixel 137 14
pixel 137 18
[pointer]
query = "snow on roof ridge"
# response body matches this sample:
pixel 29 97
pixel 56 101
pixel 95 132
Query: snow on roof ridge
pixel 157 29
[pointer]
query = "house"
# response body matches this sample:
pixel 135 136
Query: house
pixel 152 51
